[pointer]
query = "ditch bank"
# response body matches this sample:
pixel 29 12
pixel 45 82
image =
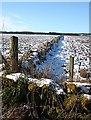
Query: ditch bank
pixel 45 61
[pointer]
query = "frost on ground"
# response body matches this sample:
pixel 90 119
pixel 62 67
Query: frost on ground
pixel 54 62
pixel 24 42
pixel 57 59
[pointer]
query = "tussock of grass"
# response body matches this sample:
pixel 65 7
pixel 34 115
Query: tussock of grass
pixel 83 73
pixel 29 101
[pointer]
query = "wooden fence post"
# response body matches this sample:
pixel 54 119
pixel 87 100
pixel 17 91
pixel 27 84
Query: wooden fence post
pixel 71 68
pixel 14 54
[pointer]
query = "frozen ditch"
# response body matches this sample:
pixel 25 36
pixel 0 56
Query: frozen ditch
pixel 54 61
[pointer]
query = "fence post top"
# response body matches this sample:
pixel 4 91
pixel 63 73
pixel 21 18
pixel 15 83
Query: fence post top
pixel 14 37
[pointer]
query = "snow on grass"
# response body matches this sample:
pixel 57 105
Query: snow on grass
pixel 1 65
pixel 88 96
pixel 1 73
pixel 59 91
pixel 45 81
pixel 85 87
pixel 15 76
pixel 40 82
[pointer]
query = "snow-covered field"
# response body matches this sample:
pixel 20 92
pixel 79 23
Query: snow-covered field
pixel 24 42
pixel 58 58
pixel 77 46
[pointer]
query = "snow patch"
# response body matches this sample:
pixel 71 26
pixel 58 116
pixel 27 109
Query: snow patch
pixel 15 76
pixel 88 96
pixel 40 82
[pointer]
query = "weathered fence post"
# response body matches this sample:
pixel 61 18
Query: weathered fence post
pixel 71 68
pixel 14 54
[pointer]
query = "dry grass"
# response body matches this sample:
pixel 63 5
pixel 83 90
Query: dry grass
pixel 83 73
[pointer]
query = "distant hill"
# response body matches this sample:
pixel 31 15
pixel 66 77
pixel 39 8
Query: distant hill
pixel 44 33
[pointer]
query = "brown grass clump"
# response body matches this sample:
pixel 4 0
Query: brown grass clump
pixel 71 88
pixel 70 102
pixel 83 73
pixel 84 101
pixel 32 86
